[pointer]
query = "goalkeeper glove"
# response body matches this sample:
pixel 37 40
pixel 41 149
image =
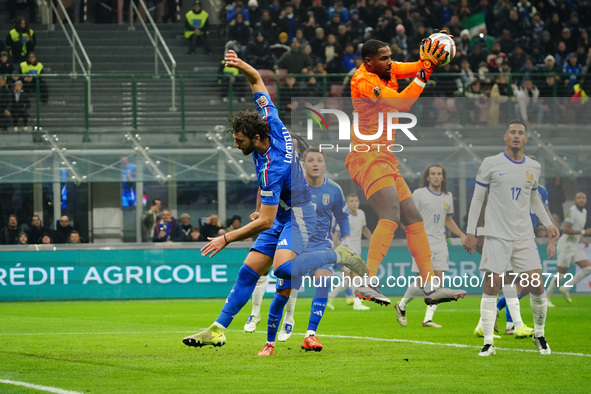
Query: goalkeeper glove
pixel 432 53
pixel 423 74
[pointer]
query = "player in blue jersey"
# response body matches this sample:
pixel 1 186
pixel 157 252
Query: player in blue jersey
pixel 328 200
pixel 287 217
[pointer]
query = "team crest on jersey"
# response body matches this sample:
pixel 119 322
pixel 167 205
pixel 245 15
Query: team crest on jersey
pixel 262 101
pixel 279 282
pixel 529 176
pixel 445 205
pixel 325 199
pixel 377 91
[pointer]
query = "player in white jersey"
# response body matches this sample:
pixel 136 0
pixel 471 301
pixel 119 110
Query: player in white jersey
pixel 435 204
pixel 569 251
pixel 358 228
pixel 511 179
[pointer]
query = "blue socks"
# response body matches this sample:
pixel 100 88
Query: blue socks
pixel 239 296
pixel 318 302
pixel 275 313
pixel 349 292
pixel 304 263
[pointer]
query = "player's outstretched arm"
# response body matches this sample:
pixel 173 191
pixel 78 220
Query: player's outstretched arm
pixel 252 75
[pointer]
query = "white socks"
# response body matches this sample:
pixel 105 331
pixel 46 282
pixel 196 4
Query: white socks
pixel 488 313
pixel 257 295
pixel 539 308
pixel 429 313
pixel 553 285
pixel 412 291
pixel 510 293
pixel 290 307
pixel 580 276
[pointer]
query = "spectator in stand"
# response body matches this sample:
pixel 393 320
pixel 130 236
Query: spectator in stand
pixel 14 5
pixel 287 21
pixel 46 239
pixel 300 10
pixel 332 55
pixel 463 43
pixel 526 12
pixel 5 117
pixel 548 45
pixel 75 238
pixel 317 43
pixel 63 230
pixel 483 40
pixel 257 53
pixel 300 37
pixel 267 27
pixel 517 59
pixel 21 40
pixel 10 233
pixel 239 33
pixel 34 68
pixel 309 27
pixel 401 39
pixel 507 43
pixel 277 50
pixel 36 229
pixel 332 27
pixel 343 36
pixel 397 55
pixel 195 235
pixel 356 27
pixel 320 12
pixel 387 26
pixel 538 26
pixel 340 9
pixel 6 66
pixel 230 78
pixel 467 76
pixel 501 12
pixel 275 10
pixel 561 54
pixel 295 60
pixel 500 94
pixel 197 28
pixel 235 223
pixel 182 229
pixel 570 42
pixel 164 227
pixel 496 57
pixel 527 102
pixel 464 10
pixel 291 89
pixel 349 57
pixel 19 106
pixel 442 13
pixel 536 56
pixel 149 220
pixel 237 8
pixel 572 70
pixel 23 239
pixel 254 12
pixel 212 227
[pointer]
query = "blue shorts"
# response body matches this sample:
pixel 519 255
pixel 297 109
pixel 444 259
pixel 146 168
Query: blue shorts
pixel 292 234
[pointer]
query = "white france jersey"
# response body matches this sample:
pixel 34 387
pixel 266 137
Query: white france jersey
pixel 577 219
pixel 356 224
pixel 510 186
pixel 434 208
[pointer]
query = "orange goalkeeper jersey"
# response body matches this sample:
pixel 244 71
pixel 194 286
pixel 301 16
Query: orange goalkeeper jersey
pixel 372 95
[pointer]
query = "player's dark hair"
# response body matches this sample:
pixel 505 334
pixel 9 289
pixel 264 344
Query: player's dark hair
pixel 371 48
pixel 425 182
pixel 516 121
pixel 352 195
pixel 313 149
pixel 154 201
pixel 250 124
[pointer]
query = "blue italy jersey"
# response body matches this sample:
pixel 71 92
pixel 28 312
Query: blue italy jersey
pixel 543 193
pixel 279 172
pixel 328 200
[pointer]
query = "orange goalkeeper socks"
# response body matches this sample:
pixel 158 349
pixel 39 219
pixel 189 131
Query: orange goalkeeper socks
pixel 418 244
pixel 379 244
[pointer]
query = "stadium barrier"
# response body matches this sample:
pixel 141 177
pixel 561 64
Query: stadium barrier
pixel 179 271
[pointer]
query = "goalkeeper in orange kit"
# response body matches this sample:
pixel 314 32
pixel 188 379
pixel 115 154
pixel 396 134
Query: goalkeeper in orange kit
pixel 374 90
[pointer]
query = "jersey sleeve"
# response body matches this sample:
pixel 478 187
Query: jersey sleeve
pixel 406 69
pixel 568 218
pixel 338 210
pixel 544 195
pixel 270 115
pixel 484 173
pixel 449 211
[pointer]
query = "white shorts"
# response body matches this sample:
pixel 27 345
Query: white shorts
pixel 568 253
pixel 439 259
pixel 499 256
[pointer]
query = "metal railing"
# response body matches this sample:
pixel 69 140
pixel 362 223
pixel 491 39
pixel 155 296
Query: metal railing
pixel 79 55
pixel 156 40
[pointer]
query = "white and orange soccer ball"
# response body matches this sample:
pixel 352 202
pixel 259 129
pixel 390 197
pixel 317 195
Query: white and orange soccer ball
pixel 449 45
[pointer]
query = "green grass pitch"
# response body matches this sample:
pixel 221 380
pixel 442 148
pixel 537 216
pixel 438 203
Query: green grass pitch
pixel 136 346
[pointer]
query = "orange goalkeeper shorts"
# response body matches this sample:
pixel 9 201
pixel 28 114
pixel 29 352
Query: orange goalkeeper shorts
pixel 374 171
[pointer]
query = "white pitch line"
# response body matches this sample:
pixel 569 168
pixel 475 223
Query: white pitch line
pixel 456 345
pixel 39 387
